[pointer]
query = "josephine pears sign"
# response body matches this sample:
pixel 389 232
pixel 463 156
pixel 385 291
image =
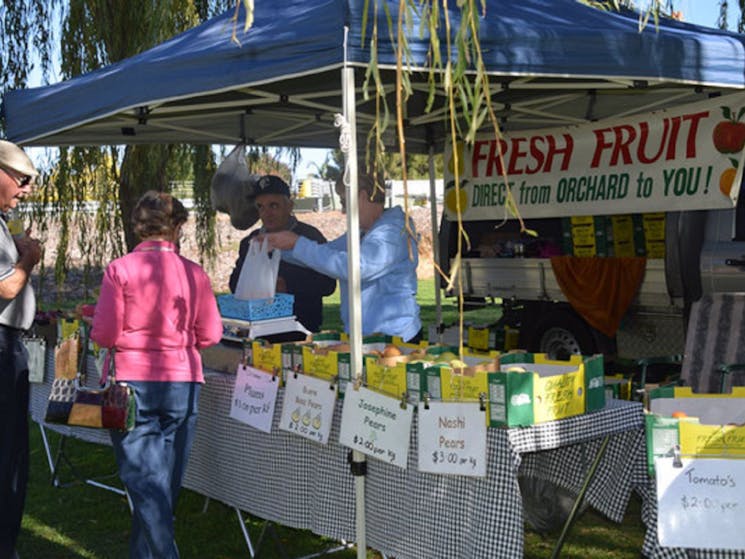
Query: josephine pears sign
pixel 689 157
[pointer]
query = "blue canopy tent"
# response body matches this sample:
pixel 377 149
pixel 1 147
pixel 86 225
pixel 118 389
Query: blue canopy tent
pixel 551 63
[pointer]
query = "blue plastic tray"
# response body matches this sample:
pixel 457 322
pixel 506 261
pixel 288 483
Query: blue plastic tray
pixel 256 309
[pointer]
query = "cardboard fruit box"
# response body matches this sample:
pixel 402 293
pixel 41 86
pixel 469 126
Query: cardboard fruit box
pixel 618 386
pixel 265 356
pixel 329 356
pixel 490 337
pixel 530 388
pixel 469 384
pixel 417 371
pixel 447 379
pixel 386 368
pixel 698 424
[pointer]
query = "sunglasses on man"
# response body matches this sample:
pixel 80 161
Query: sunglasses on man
pixel 22 180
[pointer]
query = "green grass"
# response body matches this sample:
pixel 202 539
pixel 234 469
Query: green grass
pixel 81 521
pixel 428 311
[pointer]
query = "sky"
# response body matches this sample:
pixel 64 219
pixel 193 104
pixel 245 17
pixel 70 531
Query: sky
pixel 705 12
pixel 701 12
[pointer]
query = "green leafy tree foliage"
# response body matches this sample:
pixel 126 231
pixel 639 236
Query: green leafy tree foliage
pixel 93 34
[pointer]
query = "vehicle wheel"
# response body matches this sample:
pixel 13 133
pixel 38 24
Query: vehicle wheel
pixel 561 334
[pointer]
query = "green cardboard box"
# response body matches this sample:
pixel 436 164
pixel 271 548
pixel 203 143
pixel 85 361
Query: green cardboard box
pixel 530 388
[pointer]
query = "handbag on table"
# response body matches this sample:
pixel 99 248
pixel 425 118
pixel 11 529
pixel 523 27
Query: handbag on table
pixel 71 402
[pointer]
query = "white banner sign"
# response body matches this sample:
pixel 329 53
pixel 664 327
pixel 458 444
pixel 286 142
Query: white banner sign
pixel 308 408
pixel 701 504
pixel 376 425
pixel 254 397
pixel 688 157
pixel 452 438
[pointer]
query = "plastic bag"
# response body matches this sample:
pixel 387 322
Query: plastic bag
pixel 258 277
pixel 233 189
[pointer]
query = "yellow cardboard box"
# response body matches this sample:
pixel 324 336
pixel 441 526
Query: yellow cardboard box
pixel 713 425
pixel 531 388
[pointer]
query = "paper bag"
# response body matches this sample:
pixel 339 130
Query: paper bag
pixel 258 277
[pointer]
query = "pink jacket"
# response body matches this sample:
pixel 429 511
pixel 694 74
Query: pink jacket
pixel 157 309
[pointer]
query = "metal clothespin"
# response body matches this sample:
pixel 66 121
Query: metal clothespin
pixel 677 463
pixel 482 401
pixel 357 382
pixel 425 399
pixel 404 401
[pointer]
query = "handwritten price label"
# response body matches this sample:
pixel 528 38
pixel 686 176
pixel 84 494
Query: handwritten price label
pixel 308 407
pixel 700 503
pixel 376 425
pixel 707 503
pixel 254 397
pixel 452 438
pixel 368 446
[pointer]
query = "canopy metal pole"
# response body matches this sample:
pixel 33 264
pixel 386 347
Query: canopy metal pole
pixel 358 464
pixel 435 241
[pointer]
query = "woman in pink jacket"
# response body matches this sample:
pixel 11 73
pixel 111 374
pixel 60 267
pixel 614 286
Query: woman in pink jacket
pixel 157 309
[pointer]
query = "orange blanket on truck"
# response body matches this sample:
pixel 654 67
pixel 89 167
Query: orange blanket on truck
pixel 600 289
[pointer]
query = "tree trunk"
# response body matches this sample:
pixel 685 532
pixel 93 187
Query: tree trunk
pixel 143 168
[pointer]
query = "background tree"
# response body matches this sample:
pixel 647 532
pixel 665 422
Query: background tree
pixel 93 34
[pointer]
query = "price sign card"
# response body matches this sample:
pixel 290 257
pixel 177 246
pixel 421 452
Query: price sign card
pixel 452 438
pixel 701 504
pixel 376 425
pixel 308 409
pixel 254 396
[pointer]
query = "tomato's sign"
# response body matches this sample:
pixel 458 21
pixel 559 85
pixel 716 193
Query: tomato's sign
pixel 684 158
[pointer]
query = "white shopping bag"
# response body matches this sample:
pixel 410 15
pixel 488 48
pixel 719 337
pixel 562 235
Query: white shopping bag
pixel 258 277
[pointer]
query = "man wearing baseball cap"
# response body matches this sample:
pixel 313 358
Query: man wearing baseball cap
pixel 18 256
pixel 308 286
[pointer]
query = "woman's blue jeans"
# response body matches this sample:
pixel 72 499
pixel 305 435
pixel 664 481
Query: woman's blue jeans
pixel 152 459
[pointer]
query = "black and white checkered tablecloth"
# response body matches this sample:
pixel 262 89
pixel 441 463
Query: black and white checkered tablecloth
pixel 410 514
pixel 279 476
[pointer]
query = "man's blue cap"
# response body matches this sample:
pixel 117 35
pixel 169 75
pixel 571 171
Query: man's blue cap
pixel 271 184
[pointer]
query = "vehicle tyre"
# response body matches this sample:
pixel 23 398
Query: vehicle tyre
pixel 560 334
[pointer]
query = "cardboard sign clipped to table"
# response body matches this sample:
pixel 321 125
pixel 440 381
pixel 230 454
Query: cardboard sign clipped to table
pixel 254 397
pixel 308 407
pixel 452 438
pixel 700 503
pixel 376 425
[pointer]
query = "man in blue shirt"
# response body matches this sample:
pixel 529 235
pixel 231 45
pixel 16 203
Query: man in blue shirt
pixel 388 262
